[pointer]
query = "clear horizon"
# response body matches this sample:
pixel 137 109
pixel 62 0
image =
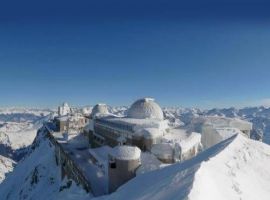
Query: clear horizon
pixel 196 54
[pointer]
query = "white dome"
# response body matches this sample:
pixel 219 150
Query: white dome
pixel 126 152
pixel 99 109
pixel 145 108
pixel 65 104
pixel 64 109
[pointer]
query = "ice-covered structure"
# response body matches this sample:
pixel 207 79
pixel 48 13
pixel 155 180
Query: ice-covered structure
pixel 123 163
pixel 70 122
pixel 99 109
pixel 144 127
pixel 68 119
pixel 216 129
pixel 145 108
pixel 116 142
pixel 177 145
pixel 64 109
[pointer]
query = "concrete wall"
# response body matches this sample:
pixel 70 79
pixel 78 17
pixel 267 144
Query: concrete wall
pixel 124 171
pixel 68 167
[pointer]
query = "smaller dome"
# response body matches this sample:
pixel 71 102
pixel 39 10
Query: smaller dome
pixel 65 104
pixel 99 109
pixel 126 152
pixel 145 108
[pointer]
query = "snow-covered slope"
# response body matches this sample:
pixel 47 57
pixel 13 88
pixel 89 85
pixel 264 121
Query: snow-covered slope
pixel 38 177
pixel 6 166
pixel 237 168
pixel 18 128
pixel 240 171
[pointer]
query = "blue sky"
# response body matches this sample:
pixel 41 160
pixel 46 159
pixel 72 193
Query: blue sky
pixel 192 55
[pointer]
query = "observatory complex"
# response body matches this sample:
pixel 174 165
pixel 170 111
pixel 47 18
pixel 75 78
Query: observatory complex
pixel 101 151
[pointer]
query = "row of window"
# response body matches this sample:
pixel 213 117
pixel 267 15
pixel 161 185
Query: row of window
pixel 109 132
pixel 99 140
pixel 116 125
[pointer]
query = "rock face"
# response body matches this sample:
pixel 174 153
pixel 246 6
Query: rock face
pixel 6 166
pixel 38 177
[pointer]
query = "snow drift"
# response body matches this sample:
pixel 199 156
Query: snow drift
pixel 237 168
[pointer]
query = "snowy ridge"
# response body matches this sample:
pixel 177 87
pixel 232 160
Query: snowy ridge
pixel 242 173
pixel 38 177
pixel 17 132
pixel 237 168
pixel 229 169
pixel 6 166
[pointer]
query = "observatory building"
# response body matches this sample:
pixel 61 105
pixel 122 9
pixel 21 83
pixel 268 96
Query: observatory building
pixel 67 120
pixel 123 163
pixel 64 109
pixel 142 126
pixel 215 129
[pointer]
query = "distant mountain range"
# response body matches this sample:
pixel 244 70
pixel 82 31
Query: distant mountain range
pixel 37 176
pixel 259 116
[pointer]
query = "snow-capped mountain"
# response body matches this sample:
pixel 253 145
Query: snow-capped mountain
pixel 259 116
pixel 229 167
pixel 38 177
pixel 18 128
pixel 6 166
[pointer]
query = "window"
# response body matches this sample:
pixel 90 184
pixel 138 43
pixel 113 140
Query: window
pixel 112 164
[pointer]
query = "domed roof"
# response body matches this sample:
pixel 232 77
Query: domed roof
pixel 99 109
pixel 126 152
pixel 65 104
pixel 145 108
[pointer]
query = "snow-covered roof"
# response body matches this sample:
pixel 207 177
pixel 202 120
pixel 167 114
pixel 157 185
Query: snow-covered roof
pixel 145 108
pixel 99 109
pixel 151 133
pixel 184 138
pixel 100 153
pixel 65 104
pixel 63 118
pixel 137 124
pixel 219 122
pixel 176 134
pixel 126 152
